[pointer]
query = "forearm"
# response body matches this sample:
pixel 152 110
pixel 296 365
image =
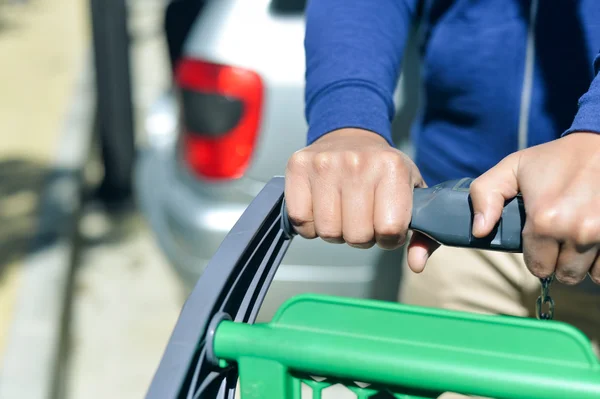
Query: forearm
pixel 353 56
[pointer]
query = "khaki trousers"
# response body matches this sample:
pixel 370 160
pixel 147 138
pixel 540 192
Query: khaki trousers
pixel 494 283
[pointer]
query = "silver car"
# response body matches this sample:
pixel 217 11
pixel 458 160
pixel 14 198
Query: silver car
pixel 230 123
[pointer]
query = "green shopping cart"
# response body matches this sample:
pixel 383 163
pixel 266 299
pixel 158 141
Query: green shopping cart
pixel 376 349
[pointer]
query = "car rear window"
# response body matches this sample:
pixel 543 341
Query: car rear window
pixel 288 6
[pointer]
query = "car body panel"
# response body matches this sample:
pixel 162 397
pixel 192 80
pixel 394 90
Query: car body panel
pixel 248 35
pixel 191 216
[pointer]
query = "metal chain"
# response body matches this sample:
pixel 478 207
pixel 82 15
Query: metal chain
pixel 545 298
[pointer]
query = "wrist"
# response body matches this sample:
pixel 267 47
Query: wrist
pixel 583 144
pixel 353 133
pixel 582 136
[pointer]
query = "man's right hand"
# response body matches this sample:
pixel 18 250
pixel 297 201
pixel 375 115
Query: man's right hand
pixel 351 186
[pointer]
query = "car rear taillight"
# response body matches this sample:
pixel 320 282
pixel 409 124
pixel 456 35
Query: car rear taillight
pixel 221 109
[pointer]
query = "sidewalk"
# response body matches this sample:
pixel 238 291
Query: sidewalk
pixel 126 298
pixel 42 46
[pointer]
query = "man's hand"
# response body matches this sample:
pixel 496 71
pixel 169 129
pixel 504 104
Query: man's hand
pixel 560 185
pixel 351 186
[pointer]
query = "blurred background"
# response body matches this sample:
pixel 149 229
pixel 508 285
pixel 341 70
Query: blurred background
pixel 133 135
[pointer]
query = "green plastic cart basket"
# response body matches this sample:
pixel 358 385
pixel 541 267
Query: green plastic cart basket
pixel 375 349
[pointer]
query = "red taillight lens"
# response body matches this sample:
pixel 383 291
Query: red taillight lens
pixel 221 109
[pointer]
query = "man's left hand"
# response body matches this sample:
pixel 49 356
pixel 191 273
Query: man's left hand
pixel 560 185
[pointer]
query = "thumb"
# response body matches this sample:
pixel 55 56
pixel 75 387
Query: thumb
pixel 489 193
pixel 419 250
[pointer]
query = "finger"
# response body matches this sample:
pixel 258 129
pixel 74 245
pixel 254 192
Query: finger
pixel 574 263
pixel 357 214
pixel 489 193
pixel 595 270
pixel 540 254
pixel 420 249
pixel 327 213
pixel 299 206
pixel 392 211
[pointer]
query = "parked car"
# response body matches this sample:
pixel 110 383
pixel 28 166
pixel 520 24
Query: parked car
pixel 229 124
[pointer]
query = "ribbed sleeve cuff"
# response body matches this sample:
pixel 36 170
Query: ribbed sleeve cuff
pixel 350 105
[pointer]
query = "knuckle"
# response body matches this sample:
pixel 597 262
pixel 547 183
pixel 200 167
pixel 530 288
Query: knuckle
pixel 303 223
pixel 588 232
pixel 477 187
pixel 365 245
pixel 353 161
pixel 359 239
pixel 298 218
pixel 298 161
pixel 389 230
pixel 545 222
pixel 324 162
pixel 329 233
pixel 390 241
pixel 306 233
pixel 391 159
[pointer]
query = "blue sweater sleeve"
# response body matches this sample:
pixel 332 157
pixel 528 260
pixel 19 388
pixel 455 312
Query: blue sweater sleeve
pixel 587 118
pixel 353 56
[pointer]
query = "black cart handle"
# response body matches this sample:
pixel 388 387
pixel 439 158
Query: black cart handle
pixel 444 212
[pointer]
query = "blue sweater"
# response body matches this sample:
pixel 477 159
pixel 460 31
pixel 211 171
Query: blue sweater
pixel 498 75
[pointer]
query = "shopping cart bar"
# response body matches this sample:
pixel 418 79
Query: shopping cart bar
pixel 395 346
pixel 375 349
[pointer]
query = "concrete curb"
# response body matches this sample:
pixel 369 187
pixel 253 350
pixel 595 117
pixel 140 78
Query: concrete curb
pixel 48 268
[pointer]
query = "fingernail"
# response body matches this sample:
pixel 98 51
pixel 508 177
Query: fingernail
pixel 478 223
